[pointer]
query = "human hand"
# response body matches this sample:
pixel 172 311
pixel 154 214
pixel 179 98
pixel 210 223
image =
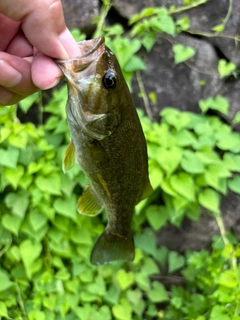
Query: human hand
pixel 32 33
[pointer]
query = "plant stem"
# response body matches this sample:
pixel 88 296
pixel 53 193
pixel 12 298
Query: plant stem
pixel 104 11
pixel 20 301
pixel 5 249
pixel 189 6
pixel 144 95
pixel 233 260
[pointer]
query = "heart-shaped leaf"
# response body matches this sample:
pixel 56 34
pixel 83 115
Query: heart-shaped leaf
pixel 157 293
pixel 11 223
pixel 175 261
pixel 30 251
pixel 122 311
pixel 182 53
pixel 124 279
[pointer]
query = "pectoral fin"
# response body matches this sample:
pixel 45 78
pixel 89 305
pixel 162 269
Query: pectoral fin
pixel 146 191
pixel 88 204
pixel 69 158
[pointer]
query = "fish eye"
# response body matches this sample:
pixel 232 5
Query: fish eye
pixel 109 80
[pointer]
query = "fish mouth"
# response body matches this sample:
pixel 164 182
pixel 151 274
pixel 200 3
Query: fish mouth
pixel 90 51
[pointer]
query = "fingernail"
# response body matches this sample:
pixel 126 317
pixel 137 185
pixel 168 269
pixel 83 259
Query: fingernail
pixel 9 77
pixel 69 44
pixel 51 85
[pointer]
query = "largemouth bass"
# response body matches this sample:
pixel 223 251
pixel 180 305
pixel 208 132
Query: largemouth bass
pixel 107 142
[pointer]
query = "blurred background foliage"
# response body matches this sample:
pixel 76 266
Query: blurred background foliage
pixel 194 159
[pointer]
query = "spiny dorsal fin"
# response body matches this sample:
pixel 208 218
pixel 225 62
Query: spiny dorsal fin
pixel 69 158
pixel 146 191
pixel 88 204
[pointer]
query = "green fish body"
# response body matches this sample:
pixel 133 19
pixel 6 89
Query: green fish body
pixel 107 142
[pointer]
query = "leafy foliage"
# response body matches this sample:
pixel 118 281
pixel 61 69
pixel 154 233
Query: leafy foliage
pixel 213 286
pixel 193 159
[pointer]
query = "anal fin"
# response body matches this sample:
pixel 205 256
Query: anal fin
pixel 69 158
pixel 88 204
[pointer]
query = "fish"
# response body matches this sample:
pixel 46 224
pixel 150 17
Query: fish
pixel 108 144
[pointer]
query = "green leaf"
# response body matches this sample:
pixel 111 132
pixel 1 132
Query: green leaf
pixel 183 184
pixel 182 53
pixel 175 261
pixel 225 68
pixel 50 302
pixel 185 138
pixel 236 118
pixel 122 311
pixel 228 141
pixel 146 241
pixel 142 281
pixel 98 287
pixel 104 313
pixel 164 23
pixel 125 49
pixel 112 295
pixel 153 97
pixel 135 63
pixel 183 23
pixel 219 28
pixel 210 200
pixel 14 176
pixel 50 184
pixel 3 310
pixel 157 293
pixel 229 162
pixel 208 156
pixel 66 207
pixel 30 251
pixel 219 312
pixel 5 283
pixel 26 103
pixel 155 174
pixel 169 159
pixel 150 267
pixel 11 223
pixel 191 163
pixel 124 279
pixel 157 216
pixel 18 202
pixel 37 220
pixel 228 279
pixel 218 103
pixel 149 40
pixel 234 183
pixel 36 315
pixel 9 157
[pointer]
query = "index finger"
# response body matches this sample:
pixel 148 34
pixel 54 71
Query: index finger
pixel 44 25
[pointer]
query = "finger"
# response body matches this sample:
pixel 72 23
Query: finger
pixel 8 29
pixel 15 74
pixel 20 46
pixel 45 73
pixel 8 98
pixel 43 20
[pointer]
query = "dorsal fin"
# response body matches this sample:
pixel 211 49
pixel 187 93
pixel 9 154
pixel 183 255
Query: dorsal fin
pixel 69 157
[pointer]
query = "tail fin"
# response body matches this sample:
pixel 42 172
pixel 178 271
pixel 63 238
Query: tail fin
pixel 111 247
